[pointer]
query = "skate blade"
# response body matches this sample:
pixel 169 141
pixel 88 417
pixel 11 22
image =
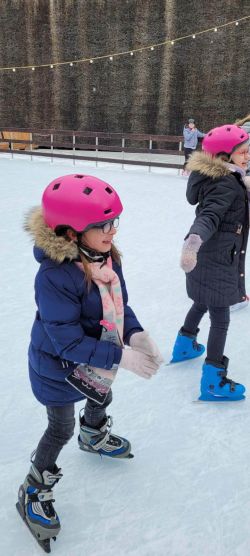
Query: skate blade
pixel 88 449
pixel 174 363
pixel 215 399
pixel 45 544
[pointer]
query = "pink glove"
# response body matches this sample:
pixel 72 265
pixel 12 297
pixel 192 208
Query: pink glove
pixel 189 252
pixel 138 363
pixel 141 341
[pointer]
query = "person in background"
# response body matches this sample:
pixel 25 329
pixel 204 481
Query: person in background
pixel 80 295
pixel 213 254
pixel 191 135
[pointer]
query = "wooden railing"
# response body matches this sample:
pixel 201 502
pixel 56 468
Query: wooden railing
pixel 29 140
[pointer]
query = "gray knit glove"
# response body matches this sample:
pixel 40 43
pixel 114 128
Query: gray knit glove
pixel 189 252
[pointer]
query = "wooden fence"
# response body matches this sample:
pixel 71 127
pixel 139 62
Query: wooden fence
pixel 29 141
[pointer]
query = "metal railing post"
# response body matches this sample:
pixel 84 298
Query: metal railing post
pixel 74 147
pixel 123 153
pixel 96 150
pixel 180 149
pixel 51 146
pixel 150 154
pixel 31 146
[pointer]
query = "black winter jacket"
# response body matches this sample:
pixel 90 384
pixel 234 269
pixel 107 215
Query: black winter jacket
pixel 222 222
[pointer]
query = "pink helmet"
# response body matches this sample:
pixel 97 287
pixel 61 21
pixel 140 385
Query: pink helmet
pixel 79 201
pixel 224 139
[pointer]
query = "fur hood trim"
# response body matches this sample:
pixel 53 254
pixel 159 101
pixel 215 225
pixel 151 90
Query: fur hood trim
pixel 207 165
pixel 55 247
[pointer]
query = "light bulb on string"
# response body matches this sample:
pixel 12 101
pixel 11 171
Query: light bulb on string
pixel 33 69
pixel 51 65
pixel 131 53
pixel 91 61
pixel 236 23
pixel 193 37
pixel 152 48
pixel 172 42
pixel 215 29
pixel 71 64
pixel 111 58
pixel 14 69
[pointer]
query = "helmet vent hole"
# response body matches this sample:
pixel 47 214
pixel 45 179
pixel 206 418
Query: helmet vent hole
pixel 228 128
pixel 87 190
pixel 109 190
pixel 209 135
pixel 107 211
pixel 56 186
pixel 80 176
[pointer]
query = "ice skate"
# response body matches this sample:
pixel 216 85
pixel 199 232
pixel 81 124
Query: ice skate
pixel 216 387
pixel 35 505
pixel 101 441
pixel 186 347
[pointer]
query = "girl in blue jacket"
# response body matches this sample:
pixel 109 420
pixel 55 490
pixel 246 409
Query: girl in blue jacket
pixel 190 135
pixel 77 340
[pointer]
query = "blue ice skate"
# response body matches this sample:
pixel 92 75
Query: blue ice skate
pixel 186 347
pixel 216 387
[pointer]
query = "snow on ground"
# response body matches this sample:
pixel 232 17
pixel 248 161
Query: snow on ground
pixel 187 490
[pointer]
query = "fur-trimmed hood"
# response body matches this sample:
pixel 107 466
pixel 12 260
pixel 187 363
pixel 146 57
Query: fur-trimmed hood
pixel 204 168
pixel 54 247
pixel 207 165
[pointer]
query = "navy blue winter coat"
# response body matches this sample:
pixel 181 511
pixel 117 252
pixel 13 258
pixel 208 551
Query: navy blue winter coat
pixel 67 329
pixel 222 222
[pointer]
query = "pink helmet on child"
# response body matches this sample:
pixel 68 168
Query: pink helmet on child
pixel 224 139
pixel 79 202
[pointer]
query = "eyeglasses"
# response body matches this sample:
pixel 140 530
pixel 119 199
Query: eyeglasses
pixel 242 153
pixel 106 227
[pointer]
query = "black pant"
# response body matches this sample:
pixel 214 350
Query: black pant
pixel 220 319
pixel 61 428
pixel 187 154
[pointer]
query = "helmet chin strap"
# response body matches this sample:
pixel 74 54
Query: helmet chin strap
pixel 93 256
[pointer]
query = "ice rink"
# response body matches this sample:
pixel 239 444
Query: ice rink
pixel 187 490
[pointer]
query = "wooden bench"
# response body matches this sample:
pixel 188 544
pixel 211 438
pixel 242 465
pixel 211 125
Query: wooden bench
pixel 19 140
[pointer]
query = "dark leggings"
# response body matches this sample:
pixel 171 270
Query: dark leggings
pixel 61 424
pixel 187 154
pixel 220 319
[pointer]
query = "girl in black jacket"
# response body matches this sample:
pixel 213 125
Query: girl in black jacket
pixel 213 254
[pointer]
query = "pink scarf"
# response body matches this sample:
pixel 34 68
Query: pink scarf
pixel 110 290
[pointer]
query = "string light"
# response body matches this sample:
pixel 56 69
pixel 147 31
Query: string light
pixel 110 56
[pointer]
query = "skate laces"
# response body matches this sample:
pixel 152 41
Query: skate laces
pixel 196 345
pixel 48 507
pixel 226 380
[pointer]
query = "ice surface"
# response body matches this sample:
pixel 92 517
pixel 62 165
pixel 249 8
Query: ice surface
pixel 187 490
